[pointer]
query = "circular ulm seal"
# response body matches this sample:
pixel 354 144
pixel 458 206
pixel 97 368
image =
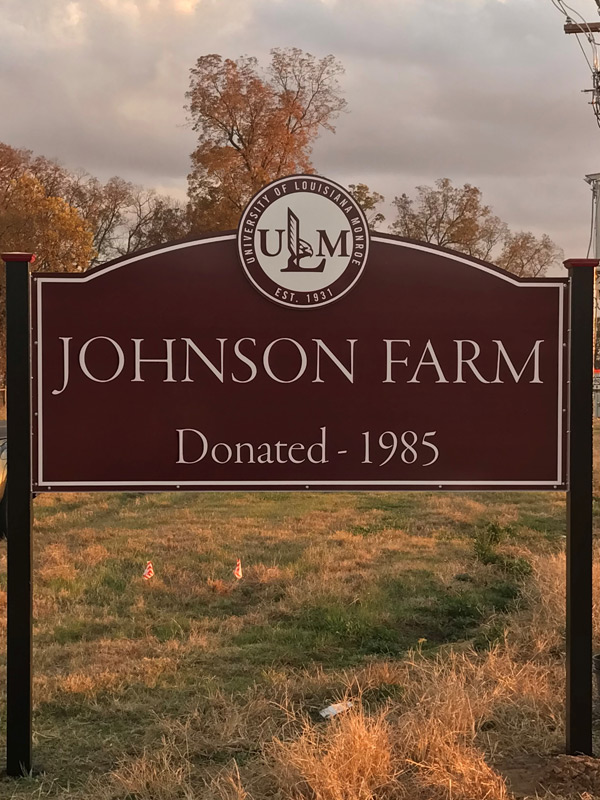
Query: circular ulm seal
pixel 303 241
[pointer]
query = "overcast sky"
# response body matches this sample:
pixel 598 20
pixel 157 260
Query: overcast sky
pixel 480 91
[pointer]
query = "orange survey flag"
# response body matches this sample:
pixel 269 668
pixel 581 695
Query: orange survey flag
pixel 149 571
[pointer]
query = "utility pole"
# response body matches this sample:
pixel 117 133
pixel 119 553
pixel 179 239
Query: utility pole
pixel 582 27
pixel 588 29
pixel 594 182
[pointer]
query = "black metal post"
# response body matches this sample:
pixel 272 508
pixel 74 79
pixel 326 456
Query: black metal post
pixel 19 513
pixel 579 508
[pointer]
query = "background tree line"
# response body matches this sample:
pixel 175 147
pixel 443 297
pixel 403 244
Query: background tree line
pixel 254 125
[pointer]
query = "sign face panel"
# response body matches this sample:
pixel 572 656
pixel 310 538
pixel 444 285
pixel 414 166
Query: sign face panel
pixel 194 367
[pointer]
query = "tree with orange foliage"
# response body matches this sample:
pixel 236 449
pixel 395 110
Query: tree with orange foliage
pixel 30 220
pixel 254 127
pixel 368 201
pixel 527 255
pixel 456 217
pixel 33 221
pixel 123 217
pixel 450 216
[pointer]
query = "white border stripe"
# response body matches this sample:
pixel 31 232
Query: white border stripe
pixel 561 356
pixel 306 483
pixel 103 271
pixel 38 344
pixel 461 260
pixel 199 242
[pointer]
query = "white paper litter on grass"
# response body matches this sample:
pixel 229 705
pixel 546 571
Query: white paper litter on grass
pixel 334 709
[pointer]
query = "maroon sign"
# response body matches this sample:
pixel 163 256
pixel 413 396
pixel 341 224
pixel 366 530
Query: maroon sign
pixel 173 369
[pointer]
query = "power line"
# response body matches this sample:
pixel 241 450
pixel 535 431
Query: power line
pixel 587 29
pixel 560 8
pixel 589 63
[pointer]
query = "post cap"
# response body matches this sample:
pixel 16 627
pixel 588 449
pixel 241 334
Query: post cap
pixel 581 262
pixel 27 257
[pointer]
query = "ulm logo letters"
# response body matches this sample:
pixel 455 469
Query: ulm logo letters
pixel 298 248
pixel 303 241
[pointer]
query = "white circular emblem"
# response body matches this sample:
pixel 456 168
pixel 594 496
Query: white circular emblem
pixel 303 241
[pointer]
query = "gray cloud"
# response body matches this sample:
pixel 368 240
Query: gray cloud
pixel 476 90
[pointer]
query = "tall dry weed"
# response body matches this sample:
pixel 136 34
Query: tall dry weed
pixel 163 775
pixel 352 759
pixel 458 712
pixel 226 785
pixel 428 727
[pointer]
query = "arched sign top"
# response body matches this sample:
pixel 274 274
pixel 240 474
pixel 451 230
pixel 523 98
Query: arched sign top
pixel 376 236
pixel 461 258
pixel 402 371
pixel 303 242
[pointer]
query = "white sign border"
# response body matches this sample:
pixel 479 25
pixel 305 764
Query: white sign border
pixel 439 484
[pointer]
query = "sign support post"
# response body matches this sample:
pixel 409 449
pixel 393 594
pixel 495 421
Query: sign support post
pixel 579 508
pixel 19 508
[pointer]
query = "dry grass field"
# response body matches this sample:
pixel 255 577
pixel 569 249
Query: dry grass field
pixel 440 617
